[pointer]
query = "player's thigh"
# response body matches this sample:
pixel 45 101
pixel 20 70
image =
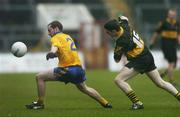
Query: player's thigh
pixel 47 75
pixel 154 76
pixel 126 73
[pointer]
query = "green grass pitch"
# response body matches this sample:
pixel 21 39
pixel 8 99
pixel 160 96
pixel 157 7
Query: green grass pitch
pixel 62 100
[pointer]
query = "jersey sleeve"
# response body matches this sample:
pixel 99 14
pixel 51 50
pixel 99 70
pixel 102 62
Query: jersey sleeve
pixel 118 52
pixel 159 27
pixel 55 42
pixel 124 24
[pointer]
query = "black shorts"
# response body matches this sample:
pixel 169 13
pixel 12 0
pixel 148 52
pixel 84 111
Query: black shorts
pixel 169 48
pixel 143 63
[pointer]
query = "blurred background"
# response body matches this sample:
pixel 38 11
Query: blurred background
pixel 27 20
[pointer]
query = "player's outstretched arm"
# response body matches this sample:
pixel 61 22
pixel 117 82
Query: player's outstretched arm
pixel 117 53
pixel 153 39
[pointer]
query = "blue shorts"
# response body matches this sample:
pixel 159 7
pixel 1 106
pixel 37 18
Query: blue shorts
pixel 73 74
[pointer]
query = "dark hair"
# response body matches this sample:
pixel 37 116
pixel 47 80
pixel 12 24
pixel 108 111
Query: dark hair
pixel 55 24
pixel 112 25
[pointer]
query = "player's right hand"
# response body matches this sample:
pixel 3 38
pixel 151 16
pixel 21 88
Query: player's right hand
pixel 117 58
pixel 50 55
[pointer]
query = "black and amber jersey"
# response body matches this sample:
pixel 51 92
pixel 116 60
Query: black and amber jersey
pixel 129 43
pixel 168 29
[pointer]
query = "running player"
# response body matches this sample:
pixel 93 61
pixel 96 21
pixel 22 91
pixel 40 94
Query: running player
pixel 170 34
pixel 69 68
pixel 140 60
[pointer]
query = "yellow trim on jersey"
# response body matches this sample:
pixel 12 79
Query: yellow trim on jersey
pixel 117 49
pixel 121 31
pixel 136 51
pixel 169 34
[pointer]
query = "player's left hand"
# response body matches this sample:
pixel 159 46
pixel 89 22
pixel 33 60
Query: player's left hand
pixel 50 55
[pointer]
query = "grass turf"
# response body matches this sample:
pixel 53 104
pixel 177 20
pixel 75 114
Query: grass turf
pixel 62 100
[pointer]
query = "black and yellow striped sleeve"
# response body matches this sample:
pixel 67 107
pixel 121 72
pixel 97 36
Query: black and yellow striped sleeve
pixel 118 53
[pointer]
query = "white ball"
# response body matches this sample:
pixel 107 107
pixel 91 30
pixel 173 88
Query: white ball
pixel 18 49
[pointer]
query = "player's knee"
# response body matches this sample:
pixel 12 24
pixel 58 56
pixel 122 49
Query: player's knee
pixel 118 80
pixel 83 89
pixel 38 76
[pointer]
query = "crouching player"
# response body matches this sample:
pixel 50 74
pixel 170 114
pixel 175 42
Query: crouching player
pixel 140 60
pixel 68 70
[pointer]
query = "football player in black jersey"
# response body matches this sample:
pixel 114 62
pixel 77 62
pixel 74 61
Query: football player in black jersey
pixel 169 30
pixel 140 60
